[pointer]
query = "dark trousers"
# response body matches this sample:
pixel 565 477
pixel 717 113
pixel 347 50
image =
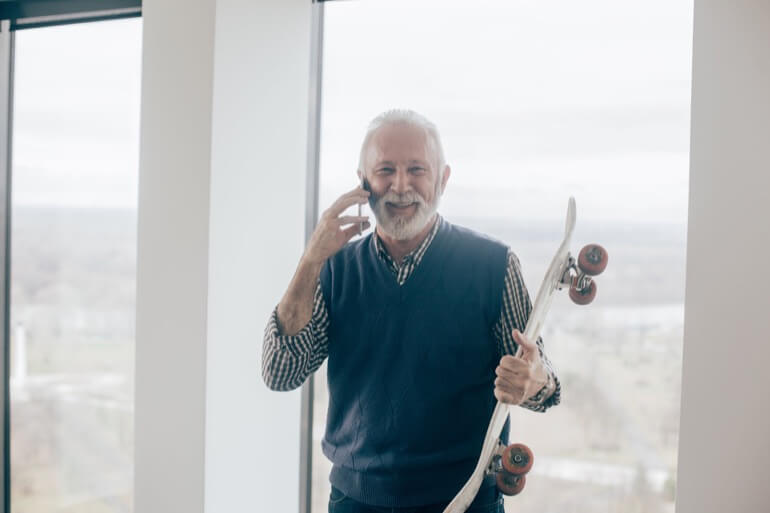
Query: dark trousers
pixel 487 501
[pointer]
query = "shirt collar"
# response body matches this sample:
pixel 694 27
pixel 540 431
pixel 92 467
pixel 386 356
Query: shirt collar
pixel 415 253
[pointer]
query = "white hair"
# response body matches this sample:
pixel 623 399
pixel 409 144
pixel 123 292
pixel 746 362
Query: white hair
pixel 409 117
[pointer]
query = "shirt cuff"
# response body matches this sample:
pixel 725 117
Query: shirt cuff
pixel 548 387
pixel 549 395
pixel 298 344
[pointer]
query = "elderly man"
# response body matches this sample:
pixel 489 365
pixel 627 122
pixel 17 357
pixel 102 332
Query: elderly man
pixel 421 321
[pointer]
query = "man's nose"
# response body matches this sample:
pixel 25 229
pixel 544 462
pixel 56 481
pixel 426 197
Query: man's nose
pixel 400 181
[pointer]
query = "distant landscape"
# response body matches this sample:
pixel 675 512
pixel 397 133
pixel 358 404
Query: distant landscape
pixel 610 446
pixel 73 279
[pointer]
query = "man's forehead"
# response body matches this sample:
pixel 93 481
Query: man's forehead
pixel 401 130
pixel 388 162
pixel 400 142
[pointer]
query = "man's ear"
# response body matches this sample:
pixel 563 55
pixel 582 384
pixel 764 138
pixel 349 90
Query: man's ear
pixel 360 177
pixel 445 177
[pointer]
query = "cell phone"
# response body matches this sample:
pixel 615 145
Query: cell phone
pixel 365 186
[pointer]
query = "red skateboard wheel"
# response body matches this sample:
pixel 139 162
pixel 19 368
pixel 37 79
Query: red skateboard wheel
pixel 517 459
pixel 510 484
pixel 582 297
pixel 592 259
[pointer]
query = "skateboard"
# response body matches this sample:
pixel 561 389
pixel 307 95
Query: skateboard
pixel 511 463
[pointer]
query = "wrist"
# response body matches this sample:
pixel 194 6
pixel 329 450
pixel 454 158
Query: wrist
pixel 540 388
pixel 311 262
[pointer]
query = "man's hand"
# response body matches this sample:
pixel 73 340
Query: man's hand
pixel 522 376
pixel 329 235
pixel 296 306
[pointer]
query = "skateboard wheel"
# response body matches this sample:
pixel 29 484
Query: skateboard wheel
pixel 592 259
pixel 582 297
pixel 517 459
pixel 510 484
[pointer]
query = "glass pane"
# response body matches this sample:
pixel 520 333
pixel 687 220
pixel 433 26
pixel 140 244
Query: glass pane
pixel 75 169
pixel 535 103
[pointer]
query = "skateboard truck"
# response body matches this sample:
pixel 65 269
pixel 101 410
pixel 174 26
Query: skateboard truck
pixel 578 273
pixel 496 464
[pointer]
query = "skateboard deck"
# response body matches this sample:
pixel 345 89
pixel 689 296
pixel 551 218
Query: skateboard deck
pixel 557 277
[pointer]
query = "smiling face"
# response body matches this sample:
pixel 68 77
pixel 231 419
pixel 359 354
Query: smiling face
pixel 401 166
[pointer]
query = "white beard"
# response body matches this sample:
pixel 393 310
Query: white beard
pixel 401 227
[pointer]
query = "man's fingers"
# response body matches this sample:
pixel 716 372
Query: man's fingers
pixel 352 230
pixel 505 387
pixel 354 190
pixel 516 372
pixel 351 219
pixel 504 397
pixel 343 203
pixel 513 363
pixel 357 195
pixel 510 361
pixel 503 383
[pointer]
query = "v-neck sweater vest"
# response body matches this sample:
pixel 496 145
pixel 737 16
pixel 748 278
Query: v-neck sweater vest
pixel 411 367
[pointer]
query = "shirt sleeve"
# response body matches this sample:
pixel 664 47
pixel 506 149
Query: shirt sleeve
pixel 288 360
pixel 514 314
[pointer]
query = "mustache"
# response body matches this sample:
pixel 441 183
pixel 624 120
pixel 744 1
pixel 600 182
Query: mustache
pixel 400 199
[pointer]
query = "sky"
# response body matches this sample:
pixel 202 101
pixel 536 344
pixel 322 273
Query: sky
pixel 77 96
pixel 535 101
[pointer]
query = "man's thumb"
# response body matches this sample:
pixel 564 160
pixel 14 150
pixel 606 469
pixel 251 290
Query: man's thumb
pixel 526 348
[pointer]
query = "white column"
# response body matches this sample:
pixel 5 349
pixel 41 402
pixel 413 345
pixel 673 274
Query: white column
pixel 221 227
pixel 257 228
pixel 724 439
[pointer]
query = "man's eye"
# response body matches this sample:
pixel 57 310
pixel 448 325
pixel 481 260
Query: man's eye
pixel 385 170
pixel 417 170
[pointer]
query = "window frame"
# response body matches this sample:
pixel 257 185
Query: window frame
pixel 24 14
pixel 16 15
pixel 7 42
pixel 311 219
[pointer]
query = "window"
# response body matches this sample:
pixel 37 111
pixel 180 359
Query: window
pixel 536 102
pixel 75 169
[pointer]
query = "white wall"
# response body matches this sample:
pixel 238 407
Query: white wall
pixel 222 170
pixel 261 87
pixel 724 441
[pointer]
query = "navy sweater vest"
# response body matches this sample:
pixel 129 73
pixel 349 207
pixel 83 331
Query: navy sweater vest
pixel 411 367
